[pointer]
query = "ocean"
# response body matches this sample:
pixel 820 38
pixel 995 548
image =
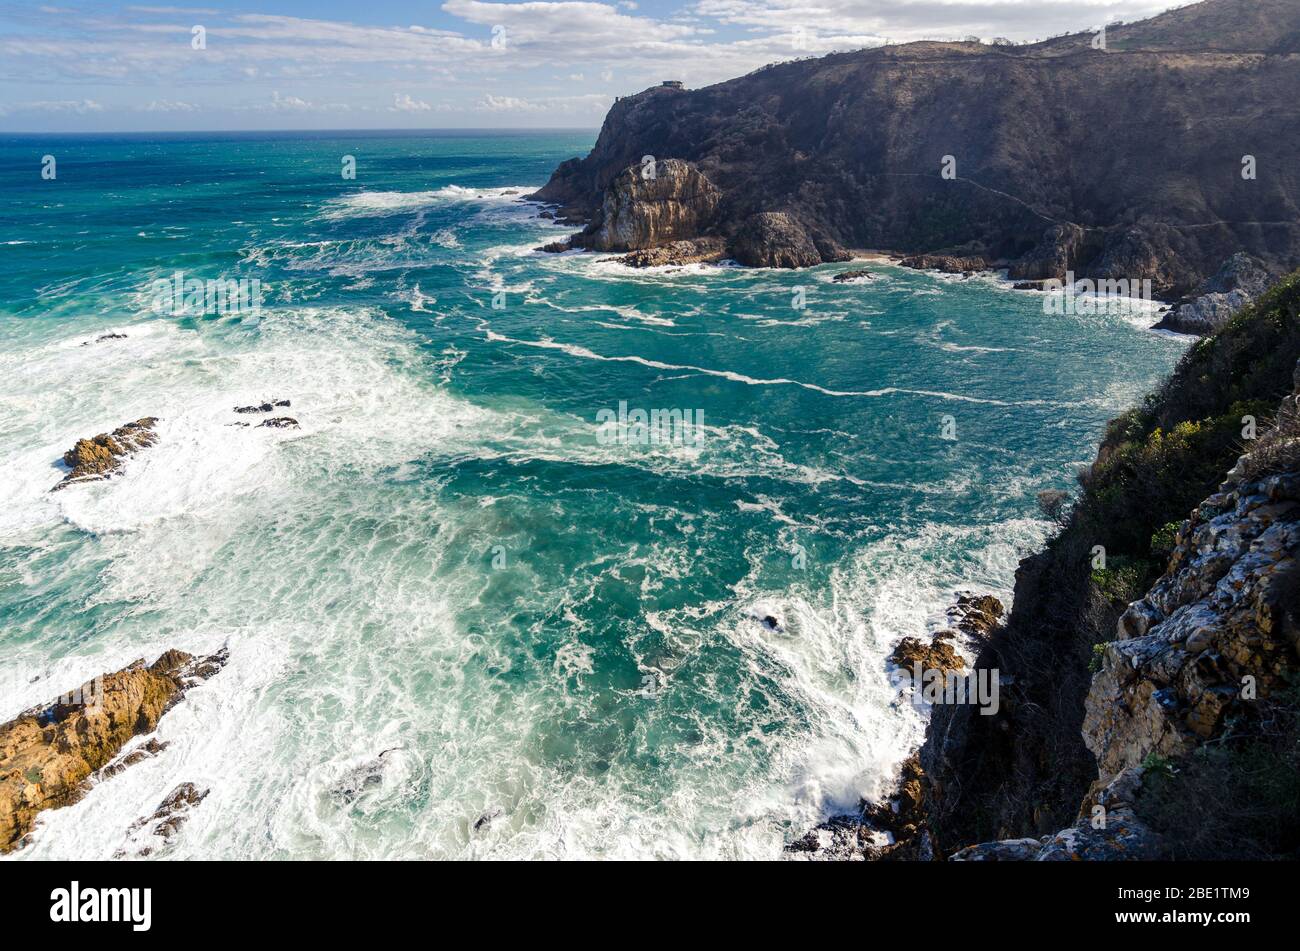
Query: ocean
pixel 466 617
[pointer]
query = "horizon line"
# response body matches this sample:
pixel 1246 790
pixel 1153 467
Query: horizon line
pixel 575 128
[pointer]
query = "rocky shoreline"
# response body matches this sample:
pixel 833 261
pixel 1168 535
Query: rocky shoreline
pixel 1125 749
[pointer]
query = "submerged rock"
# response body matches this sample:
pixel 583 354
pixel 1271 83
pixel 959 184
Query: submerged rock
pixel 108 336
pixel 100 456
pixel 358 779
pixel 48 753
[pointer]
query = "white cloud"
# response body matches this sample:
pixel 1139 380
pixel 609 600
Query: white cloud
pixel 402 102
pixel 76 106
pixel 147 61
pixel 168 105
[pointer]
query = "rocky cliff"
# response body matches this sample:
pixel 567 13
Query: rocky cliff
pixel 1150 664
pixel 1157 157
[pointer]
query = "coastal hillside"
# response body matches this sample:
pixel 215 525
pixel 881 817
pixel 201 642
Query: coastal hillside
pixel 1160 678
pixel 1158 157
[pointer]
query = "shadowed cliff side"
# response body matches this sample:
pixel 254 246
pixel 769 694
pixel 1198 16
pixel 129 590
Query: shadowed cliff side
pixel 1176 585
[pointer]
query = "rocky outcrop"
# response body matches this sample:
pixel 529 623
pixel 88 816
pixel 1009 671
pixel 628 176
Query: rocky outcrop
pixel 1218 631
pixel 946 263
pixel 1240 281
pixel 1108 830
pixel 912 654
pixel 101 456
pixel 774 239
pixel 48 753
pixel 651 205
pixel 851 277
pixel 695 251
pixel 1196 660
pixel 854 145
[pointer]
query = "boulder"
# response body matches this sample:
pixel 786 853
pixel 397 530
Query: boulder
pixel 774 239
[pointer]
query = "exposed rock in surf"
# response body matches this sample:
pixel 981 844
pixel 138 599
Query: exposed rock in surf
pixel 148 750
pixel 693 251
pixel 556 247
pixel 940 655
pixel 48 753
pixel 946 263
pixel 889 830
pixel 977 615
pixel 172 813
pixel 484 821
pixel 855 275
pixel 266 407
pixel 102 337
pixel 279 422
pixel 100 456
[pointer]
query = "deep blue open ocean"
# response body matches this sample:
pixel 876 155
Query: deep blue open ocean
pixel 555 633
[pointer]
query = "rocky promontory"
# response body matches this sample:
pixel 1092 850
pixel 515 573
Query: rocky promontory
pixel 49 753
pixel 976 151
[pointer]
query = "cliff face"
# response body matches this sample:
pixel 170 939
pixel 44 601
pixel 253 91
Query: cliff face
pixel 1185 741
pixel 1117 163
pixel 651 205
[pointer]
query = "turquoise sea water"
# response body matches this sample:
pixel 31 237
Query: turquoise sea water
pixel 446 561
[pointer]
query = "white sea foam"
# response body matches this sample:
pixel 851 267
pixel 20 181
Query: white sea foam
pixel 363 204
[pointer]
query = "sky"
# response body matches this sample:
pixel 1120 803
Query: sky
pixel 394 64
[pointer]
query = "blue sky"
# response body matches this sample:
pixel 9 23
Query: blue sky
pixel 358 64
